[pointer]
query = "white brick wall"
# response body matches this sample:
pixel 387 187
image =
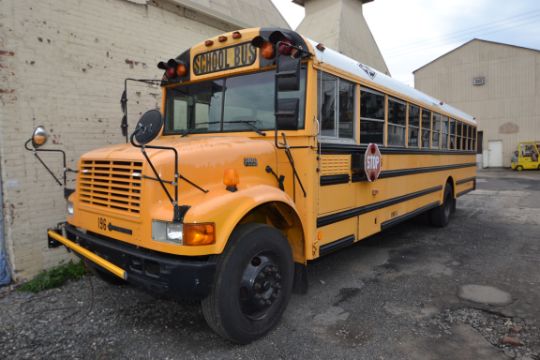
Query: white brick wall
pixel 62 65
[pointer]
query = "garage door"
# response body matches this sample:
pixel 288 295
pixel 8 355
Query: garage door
pixel 495 153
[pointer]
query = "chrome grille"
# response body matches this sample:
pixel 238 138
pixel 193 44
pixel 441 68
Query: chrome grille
pixel 111 184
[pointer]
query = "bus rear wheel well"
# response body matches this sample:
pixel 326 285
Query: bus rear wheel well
pixel 450 182
pixel 284 218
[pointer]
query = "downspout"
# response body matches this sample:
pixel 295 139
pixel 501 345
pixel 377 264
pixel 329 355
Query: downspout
pixel 5 274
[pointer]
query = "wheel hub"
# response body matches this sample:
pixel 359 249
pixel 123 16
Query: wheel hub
pixel 260 286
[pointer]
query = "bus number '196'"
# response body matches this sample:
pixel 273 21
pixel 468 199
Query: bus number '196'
pixel 102 223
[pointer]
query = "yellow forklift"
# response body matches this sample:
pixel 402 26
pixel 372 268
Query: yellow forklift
pixel 527 156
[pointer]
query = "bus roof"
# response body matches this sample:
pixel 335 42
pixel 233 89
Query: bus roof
pixel 345 63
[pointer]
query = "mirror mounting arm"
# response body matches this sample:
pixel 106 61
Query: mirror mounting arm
pixel 124 100
pixel 179 210
pixel 291 161
pixel 65 169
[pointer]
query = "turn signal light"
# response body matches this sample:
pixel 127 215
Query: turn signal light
pixel 208 43
pixel 173 68
pixel 222 38
pixel 267 50
pixel 236 35
pixel 267 47
pixel 181 70
pixel 231 179
pixel 199 234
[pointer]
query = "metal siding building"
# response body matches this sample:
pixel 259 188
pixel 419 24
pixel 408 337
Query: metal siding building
pixel 497 83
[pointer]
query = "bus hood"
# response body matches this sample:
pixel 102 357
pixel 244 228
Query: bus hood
pixel 187 147
pixel 202 159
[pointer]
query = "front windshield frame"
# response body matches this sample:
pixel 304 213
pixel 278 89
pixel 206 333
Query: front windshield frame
pixel 169 116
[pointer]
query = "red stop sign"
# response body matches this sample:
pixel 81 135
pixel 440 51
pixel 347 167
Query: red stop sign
pixel 372 162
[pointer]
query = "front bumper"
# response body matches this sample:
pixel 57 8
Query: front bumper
pixel 163 274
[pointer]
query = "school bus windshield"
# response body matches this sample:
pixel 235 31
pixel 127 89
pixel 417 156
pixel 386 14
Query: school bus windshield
pixel 239 103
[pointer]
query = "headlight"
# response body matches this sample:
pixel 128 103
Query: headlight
pixel 70 209
pixel 167 232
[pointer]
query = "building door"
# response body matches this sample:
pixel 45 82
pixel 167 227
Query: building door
pixel 495 153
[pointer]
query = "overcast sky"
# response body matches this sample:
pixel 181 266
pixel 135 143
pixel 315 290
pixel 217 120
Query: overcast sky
pixel 411 33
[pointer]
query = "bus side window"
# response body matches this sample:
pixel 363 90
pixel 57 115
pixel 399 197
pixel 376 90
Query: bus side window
pixel 465 136
pixel 372 116
pixel 397 112
pixel 426 128
pixel 452 134
pixel 436 131
pixel 444 133
pixel 336 109
pixel 346 116
pixel 459 135
pixel 327 104
pixel 414 123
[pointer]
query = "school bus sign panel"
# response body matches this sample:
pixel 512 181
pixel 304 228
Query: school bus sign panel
pixel 226 58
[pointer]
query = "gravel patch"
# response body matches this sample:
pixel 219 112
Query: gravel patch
pixel 497 329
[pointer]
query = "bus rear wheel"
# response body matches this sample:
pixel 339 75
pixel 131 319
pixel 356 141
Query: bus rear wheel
pixel 252 286
pixel 519 168
pixel 440 216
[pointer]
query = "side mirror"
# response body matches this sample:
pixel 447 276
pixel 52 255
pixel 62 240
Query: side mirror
pixel 287 114
pixel 39 137
pixel 148 127
pixel 288 74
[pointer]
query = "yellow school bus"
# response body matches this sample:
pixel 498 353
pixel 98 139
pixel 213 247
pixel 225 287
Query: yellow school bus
pixel 269 151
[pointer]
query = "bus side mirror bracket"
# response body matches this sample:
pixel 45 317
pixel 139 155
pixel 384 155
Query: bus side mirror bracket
pixel 39 138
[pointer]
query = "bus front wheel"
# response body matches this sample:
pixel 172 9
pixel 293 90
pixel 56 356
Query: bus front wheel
pixel 440 216
pixel 252 285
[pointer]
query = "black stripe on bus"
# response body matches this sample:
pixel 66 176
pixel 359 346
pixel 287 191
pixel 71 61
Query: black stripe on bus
pixel 336 245
pixel 463 181
pixel 344 215
pixel 334 179
pixel 400 219
pixel 402 172
pixel 464 192
pixel 327 148
pixel 344 178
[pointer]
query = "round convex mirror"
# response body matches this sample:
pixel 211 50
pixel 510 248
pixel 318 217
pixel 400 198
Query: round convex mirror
pixel 148 127
pixel 39 137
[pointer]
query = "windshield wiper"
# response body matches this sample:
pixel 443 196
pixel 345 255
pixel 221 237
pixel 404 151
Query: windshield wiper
pixel 250 123
pixel 185 132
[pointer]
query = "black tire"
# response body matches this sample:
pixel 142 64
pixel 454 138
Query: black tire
pixel 440 216
pixel 519 168
pixel 252 285
pixel 104 274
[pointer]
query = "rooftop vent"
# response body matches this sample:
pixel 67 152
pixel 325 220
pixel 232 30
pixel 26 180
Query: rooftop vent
pixel 479 81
